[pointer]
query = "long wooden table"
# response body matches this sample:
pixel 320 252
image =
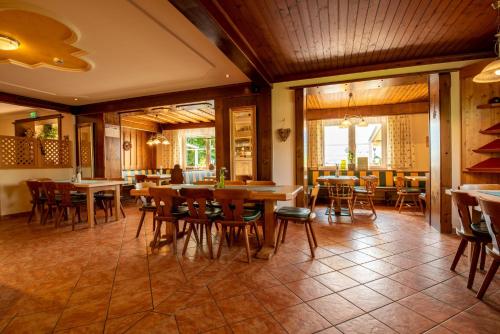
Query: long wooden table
pixel 477 193
pixel 326 178
pixel 90 187
pixel 268 194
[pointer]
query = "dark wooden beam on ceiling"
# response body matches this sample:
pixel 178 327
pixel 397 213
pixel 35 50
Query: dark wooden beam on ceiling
pixel 211 19
pixel 33 102
pixel 383 66
pixel 366 111
pixel 187 126
pixel 165 99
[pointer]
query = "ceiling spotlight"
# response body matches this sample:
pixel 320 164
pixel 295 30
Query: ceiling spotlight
pixel 8 43
pixel 227 76
pixel 58 61
pixel 76 99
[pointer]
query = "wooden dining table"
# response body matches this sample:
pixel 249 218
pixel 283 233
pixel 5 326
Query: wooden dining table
pixel 490 195
pixel 270 195
pixel 90 187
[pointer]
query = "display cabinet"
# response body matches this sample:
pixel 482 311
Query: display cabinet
pixel 243 143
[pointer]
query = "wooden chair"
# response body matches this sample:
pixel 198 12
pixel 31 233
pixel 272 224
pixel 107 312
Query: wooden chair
pixel 49 190
pixel 340 190
pixel 166 202
pixel 200 215
pixel 469 232
pixel 107 198
pixel 367 192
pixel 260 183
pixel 491 211
pixel 405 193
pixel 176 176
pixel 234 183
pixel 139 178
pixel 37 201
pixel 298 215
pixel 67 201
pixel 235 216
pixel 146 206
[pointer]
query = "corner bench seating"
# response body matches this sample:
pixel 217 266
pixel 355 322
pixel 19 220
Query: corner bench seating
pixel 190 176
pixel 386 189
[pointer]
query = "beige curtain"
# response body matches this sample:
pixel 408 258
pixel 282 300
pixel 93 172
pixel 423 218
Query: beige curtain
pixel 172 154
pixel 315 144
pixel 400 150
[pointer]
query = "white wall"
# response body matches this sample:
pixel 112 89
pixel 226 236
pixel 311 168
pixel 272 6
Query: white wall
pixel 14 195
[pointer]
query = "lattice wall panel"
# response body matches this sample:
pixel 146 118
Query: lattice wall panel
pixel 19 152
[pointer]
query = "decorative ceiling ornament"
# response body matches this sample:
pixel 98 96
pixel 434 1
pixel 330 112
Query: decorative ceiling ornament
pixel 284 134
pixel 157 139
pixel 491 72
pixel 39 41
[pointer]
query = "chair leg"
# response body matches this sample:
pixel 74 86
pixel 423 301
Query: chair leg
pixel 281 226
pixel 188 237
pixel 59 216
pixel 483 256
pixel 247 244
pixel 122 210
pixel 33 209
pixel 473 264
pixel 157 236
pixel 402 202
pixel 140 223
pixel 221 240
pixel 208 230
pixel 460 251
pixel 309 239
pixel 73 219
pixel 351 211
pixel 284 231
pixel 397 201
pixel 487 279
pixel 254 224
pixel 174 238
pixel 312 233
pixel 330 212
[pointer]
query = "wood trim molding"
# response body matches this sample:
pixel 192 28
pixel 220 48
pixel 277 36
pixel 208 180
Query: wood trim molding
pixel 376 110
pixel 300 149
pixel 35 103
pixel 211 19
pixel 187 126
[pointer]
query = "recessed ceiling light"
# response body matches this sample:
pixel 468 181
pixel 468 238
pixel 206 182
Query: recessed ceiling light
pixel 58 61
pixel 8 43
pixel 76 99
pixel 227 75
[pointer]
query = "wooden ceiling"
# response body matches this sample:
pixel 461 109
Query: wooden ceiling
pixel 369 93
pixel 297 39
pixel 196 113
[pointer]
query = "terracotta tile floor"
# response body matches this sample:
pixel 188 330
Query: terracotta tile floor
pixel 383 276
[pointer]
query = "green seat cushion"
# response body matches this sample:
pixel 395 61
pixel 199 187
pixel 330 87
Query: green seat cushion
pixel 288 212
pixel 148 207
pixel 213 213
pixel 249 215
pixel 411 190
pixel 180 211
pixel 104 196
pixel 480 229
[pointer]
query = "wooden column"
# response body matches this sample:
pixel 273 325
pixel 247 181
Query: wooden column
pixel 440 151
pixel 300 149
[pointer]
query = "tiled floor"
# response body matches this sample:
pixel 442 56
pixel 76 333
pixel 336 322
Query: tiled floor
pixel 383 276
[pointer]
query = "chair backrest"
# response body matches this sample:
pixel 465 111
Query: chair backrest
pixel 176 176
pixel 234 183
pixel 491 211
pixel 139 178
pixel 400 183
pixel 464 202
pixel 49 190
pixel 260 183
pixel 486 186
pixel 64 190
pixel 313 197
pixel 340 188
pixel 205 182
pixel 232 201
pixel 166 199
pixel 34 188
pixel 198 196
pixel 371 183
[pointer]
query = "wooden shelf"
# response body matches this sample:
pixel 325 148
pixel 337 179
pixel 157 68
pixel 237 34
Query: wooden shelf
pixel 492 130
pixel 492 147
pixel 491 165
pixel 488 106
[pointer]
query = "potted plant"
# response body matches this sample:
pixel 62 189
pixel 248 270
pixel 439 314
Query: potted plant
pixel 350 158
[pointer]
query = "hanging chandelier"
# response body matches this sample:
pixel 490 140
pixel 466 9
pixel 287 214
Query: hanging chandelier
pixel 347 118
pixel 157 139
pixel 491 72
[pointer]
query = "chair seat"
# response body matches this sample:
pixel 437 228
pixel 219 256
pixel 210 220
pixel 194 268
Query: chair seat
pixel 180 211
pixel 410 191
pixel 361 190
pixel 480 229
pixel 105 196
pixel 249 215
pixel 288 212
pixel 148 207
pixel 213 213
pixel 422 196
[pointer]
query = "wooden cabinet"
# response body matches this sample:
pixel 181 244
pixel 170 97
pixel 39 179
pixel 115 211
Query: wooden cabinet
pixel 243 143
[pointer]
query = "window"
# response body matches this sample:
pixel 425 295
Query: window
pixel 363 141
pixel 200 152
pixel 336 144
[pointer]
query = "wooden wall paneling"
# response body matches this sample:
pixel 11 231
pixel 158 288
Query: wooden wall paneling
pixel 140 156
pixel 473 120
pixel 300 149
pixel 99 144
pixel 440 151
pixel 113 148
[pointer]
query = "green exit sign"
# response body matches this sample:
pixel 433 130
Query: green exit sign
pixel 33 114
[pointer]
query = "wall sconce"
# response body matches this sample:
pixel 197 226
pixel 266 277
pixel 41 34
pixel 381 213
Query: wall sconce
pixel 284 134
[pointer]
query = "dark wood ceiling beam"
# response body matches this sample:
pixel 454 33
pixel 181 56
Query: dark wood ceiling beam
pixel 366 111
pixel 165 99
pixel 383 66
pixel 35 103
pixel 188 126
pixel 211 19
